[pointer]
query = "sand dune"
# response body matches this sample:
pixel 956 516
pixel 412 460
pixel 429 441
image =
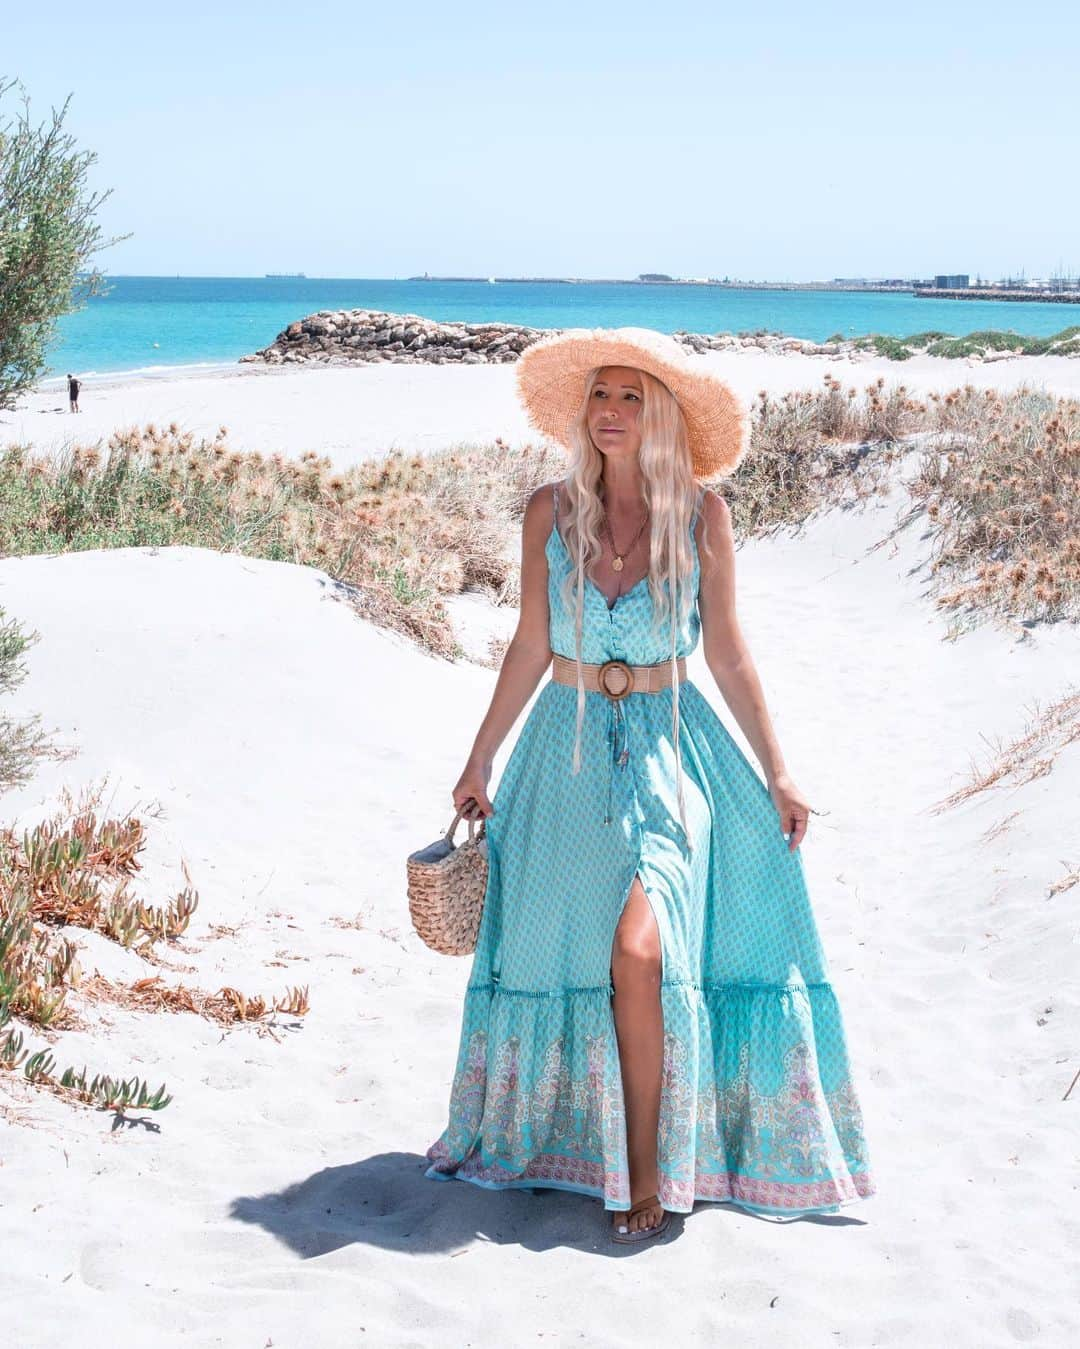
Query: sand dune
pixel 352 413
pixel 298 754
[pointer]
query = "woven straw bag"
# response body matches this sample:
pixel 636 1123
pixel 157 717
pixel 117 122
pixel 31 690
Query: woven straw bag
pixel 446 886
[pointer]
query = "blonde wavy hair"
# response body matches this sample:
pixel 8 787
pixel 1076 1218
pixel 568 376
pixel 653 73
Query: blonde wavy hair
pixel 672 494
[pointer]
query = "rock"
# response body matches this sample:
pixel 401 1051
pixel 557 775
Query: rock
pixel 359 336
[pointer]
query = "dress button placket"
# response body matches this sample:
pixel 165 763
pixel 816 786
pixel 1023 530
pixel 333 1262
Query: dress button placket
pixel 616 722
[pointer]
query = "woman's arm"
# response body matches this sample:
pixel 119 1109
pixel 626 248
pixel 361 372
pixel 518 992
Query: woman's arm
pixel 732 666
pixel 527 657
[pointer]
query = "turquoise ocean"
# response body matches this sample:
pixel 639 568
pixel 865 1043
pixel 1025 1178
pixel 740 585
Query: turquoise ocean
pixel 152 325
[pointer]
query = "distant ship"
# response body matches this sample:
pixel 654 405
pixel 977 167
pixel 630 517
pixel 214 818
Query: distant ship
pixel 290 276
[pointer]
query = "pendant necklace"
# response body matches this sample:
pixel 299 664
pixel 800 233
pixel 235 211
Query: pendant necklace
pixel 617 557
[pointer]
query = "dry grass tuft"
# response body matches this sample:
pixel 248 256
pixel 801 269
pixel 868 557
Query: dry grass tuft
pixel 74 870
pixel 355 924
pixel 810 450
pixel 999 827
pixel 496 651
pixel 1002 489
pixel 1029 756
pixel 225 1007
pixel 70 870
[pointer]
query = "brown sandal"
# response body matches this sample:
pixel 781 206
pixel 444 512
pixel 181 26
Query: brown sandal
pixel 643 1233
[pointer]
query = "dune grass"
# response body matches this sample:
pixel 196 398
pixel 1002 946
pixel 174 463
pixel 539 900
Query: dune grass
pixel 406 531
pixel 1028 756
pixel 74 870
pixel 45 874
pixel 22 741
pixel 812 449
pixel 1001 488
pixel 977 343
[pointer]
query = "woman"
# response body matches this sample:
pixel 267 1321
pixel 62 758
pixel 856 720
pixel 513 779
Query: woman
pixel 648 1017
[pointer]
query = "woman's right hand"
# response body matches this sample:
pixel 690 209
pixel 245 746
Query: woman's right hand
pixel 470 793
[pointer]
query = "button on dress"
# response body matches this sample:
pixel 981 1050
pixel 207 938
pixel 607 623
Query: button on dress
pixel 757 1103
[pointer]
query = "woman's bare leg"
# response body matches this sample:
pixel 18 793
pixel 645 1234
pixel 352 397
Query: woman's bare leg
pixel 639 1027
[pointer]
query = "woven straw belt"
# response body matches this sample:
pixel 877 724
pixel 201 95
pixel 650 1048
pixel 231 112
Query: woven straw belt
pixel 616 678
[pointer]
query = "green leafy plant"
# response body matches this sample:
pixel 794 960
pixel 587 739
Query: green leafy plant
pixel 47 235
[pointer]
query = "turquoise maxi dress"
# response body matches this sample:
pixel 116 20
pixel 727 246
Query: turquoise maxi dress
pixel 757 1104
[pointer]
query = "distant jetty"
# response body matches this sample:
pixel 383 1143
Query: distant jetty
pixel 890 287
pixel 991 293
pixel 518 280
pixel 658 279
pixel 284 276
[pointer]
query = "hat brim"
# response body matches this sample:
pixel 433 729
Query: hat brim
pixel 552 373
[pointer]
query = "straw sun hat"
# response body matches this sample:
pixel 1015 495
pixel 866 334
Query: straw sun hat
pixel 551 377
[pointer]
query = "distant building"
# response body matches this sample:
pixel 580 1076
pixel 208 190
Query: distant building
pixel 853 282
pixel 957 282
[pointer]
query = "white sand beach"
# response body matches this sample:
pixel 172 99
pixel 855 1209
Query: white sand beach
pixel 296 754
pixel 351 413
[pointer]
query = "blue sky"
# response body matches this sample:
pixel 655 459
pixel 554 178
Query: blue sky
pixel 774 141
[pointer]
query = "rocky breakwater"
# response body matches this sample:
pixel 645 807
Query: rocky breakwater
pixel 344 337
pixel 336 337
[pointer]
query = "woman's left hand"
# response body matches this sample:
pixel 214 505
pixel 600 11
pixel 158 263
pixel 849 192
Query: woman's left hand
pixel 792 807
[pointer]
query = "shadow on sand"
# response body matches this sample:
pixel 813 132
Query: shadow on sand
pixel 387 1201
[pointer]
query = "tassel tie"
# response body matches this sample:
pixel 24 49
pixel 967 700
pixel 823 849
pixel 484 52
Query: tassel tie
pixel 620 747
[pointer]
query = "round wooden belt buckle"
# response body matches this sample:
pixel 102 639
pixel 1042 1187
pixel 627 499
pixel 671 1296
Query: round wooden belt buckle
pixel 620 691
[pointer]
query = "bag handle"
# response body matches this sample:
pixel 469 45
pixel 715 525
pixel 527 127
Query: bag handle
pixel 472 828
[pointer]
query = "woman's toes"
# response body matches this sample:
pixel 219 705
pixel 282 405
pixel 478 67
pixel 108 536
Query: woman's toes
pixel 642 1220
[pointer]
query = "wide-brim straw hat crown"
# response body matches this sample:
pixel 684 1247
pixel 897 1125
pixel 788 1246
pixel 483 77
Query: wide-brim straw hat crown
pixel 552 374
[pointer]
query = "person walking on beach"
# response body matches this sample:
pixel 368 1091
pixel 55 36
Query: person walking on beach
pixel 648 1017
pixel 73 393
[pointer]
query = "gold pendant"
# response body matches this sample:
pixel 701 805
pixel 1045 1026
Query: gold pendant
pixel 616 564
